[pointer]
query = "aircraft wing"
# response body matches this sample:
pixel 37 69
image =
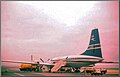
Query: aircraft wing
pixel 13 61
pixel 27 62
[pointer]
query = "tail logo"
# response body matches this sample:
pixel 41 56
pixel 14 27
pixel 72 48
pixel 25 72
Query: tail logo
pixel 92 38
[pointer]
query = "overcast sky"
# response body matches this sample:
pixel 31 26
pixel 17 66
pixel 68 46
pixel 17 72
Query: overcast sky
pixel 57 28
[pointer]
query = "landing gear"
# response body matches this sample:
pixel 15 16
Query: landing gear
pixel 77 70
pixel 45 69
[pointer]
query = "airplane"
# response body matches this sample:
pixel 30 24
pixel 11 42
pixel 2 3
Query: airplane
pixel 90 57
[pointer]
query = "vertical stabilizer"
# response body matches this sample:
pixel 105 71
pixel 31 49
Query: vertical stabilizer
pixel 94 48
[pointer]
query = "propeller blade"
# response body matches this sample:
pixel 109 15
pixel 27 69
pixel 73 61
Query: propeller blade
pixel 42 60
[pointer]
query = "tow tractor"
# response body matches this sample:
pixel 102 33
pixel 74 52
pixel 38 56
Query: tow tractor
pixel 93 71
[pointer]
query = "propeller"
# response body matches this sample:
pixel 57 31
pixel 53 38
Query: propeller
pixel 48 59
pixel 41 60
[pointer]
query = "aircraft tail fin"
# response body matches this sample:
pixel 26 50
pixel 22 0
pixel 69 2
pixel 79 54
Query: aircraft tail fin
pixel 94 48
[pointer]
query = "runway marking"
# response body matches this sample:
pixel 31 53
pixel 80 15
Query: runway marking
pixel 19 74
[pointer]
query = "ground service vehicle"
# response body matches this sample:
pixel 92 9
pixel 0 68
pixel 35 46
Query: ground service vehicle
pixel 93 71
pixel 28 67
pixel 99 71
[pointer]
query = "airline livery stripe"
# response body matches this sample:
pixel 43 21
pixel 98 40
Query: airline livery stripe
pixel 94 44
pixel 93 48
pixel 83 61
pixel 83 58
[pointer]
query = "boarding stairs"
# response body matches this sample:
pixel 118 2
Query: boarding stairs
pixel 58 65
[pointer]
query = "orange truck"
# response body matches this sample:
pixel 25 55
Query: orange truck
pixel 28 67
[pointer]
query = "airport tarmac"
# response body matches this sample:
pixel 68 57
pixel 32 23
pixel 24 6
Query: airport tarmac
pixel 16 72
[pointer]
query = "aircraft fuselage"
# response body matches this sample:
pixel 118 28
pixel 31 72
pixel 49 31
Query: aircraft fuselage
pixel 78 61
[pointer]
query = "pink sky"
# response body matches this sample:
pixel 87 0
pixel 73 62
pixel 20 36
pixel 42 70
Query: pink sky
pixel 44 32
